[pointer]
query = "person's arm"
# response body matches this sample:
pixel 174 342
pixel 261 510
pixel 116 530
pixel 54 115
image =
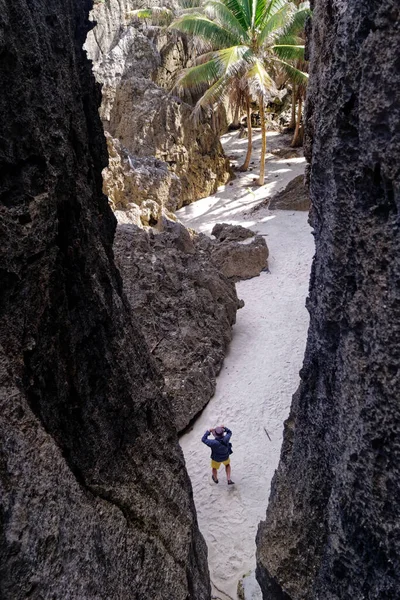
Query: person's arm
pixel 228 434
pixel 205 440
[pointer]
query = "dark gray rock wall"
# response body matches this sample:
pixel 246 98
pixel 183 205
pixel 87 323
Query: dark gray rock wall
pixel 95 501
pixel 332 526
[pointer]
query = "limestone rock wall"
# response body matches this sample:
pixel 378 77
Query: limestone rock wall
pixel 136 65
pixel 95 501
pixel 186 308
pixel 332 525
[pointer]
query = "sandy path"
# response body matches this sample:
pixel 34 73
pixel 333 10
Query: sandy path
pixel 259 375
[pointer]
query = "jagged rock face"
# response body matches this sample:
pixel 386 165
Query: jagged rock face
pixel 95 501
pixel 332 522
pixel 128 181
pixel 150 122
pixel 135 63
pixel 186 308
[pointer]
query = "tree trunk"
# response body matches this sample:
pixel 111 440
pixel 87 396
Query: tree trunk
pixel 213 123
pixel 236 116
pixel 246 163
pixel 292 124
pixel 295 140
pixel 263 142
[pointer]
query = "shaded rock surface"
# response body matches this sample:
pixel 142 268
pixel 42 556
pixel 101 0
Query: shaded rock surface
pixel 332 525
pixel 95 501
pixel 241 260
pixel 237 251
pixel 295 196
pixel 231 233
pixel 137 65
pixel 186 308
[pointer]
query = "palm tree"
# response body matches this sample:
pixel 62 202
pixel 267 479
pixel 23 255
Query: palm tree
pixel 297 33
pixel 247 41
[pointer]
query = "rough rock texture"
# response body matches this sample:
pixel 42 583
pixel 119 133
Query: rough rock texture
pixel 95 501
pixel 295 196
pixel 231 233
pixel 185 306
pixel 237 251
pixel 332 527
pixel 134 63
pixel 241 260
pixel 131 181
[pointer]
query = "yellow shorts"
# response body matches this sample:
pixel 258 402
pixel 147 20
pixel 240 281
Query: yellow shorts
pixel 216 465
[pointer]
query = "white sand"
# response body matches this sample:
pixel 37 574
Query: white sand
pixel 260 372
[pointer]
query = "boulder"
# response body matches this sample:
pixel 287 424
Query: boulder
pixel 332 523
pixel 241 260
pixel 186 308
pixel 237 251
pixel 95 500
pixel 295 196
pixel 231 233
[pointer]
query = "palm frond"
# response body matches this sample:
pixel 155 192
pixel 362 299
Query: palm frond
pixel 260 8
pixel 201 26
pixel 295 75
pixel 235 60
pixel 275 24
pixel 297 24
pixel 273 6
pixel 289 39
pixel 260 82
pixel 185 4
pixel 229 63
pixel 214 95
pixel 248 11
pixel 237 9
pixel 289 52
pixel 227 19
pixel 194 78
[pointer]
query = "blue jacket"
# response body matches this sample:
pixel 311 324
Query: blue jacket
pixel 219 446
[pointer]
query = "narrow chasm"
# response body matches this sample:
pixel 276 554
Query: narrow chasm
pixel 170 175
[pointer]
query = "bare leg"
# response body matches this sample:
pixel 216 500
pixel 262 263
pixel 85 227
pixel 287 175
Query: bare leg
pixel 228 472
pixel 215 475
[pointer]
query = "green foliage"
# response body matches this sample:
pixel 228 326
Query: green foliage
pixel 162 16
pixel 251 40
pixel 157 15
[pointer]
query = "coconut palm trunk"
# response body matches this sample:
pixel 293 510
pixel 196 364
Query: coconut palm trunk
pixel 236 116
pixel 295 140
pixel 250 41
pixel 263 141
pixel 246 163
pixel 292 124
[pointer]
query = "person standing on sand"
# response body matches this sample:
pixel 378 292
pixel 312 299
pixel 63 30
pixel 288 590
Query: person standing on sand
pixel 220 451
